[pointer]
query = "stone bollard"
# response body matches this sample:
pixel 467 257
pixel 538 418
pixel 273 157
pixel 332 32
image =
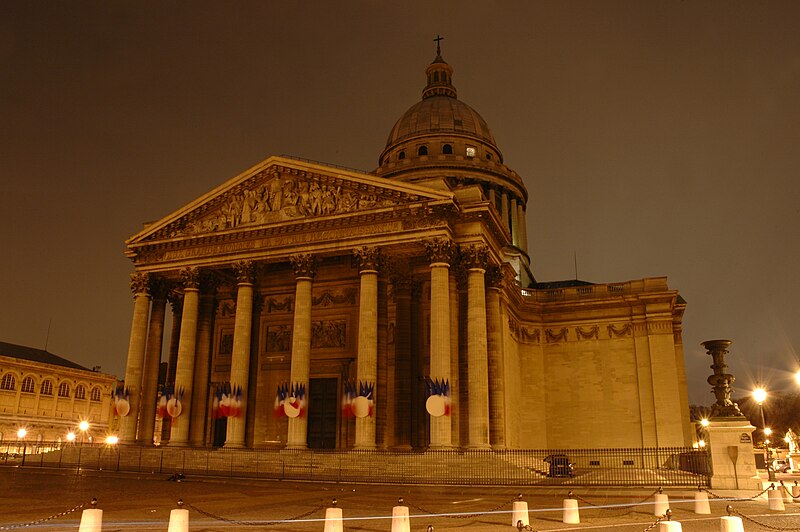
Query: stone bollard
pixel 795 490
pixel 92 519
pixel 730 523
pixel 571 513
pixel 179 519
pixel 669 526
pixel 701 505
pixel 333 518
pixel 661 504
pixel 775 500
pixel 519 512
pixel 400 519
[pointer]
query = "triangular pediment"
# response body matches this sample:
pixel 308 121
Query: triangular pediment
pixel 285 190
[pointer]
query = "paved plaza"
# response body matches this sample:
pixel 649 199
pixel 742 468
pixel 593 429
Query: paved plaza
pixel 143 502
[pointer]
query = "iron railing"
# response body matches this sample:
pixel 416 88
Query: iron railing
pixel 524 467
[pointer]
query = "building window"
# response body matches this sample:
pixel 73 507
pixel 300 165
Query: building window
pixel 401 155
pixel 488 156
pixel 8 382
pixel 447 149
pixel 47 388
pixel 96 394
pixel 423 150
pixel 28 386
pixel 63 390
pixel 470 151
pixel 80 392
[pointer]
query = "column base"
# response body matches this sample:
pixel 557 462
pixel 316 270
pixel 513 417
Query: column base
pixel 296 446
pixel 363 447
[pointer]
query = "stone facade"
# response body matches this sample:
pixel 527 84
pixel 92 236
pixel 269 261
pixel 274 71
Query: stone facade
pixel 49 396
pixel 395 309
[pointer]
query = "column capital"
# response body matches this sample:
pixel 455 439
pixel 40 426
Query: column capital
pixel 474 256
pixel 494 277
pixel 304 264
pixel 176 301
pixel 367 258
pixel 245 271
pixel 440 250
pixel 159 287
pixel 140 283
pixel 190 277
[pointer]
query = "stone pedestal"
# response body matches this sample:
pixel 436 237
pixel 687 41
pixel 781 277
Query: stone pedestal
pixel 730 444
pixel 794 461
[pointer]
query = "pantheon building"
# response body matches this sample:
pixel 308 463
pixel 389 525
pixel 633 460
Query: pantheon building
pixel 320 307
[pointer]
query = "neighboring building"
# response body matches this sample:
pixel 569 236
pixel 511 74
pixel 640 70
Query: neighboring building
pixel 393 309
pixel 49 396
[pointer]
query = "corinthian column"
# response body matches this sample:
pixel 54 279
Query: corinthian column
pixel 494 324
pixel 474 259
pixel 184 373
pixel 367 362
pixel 304 266
pixel 155 339
pixel 440 253
pixel 240 360
pixel 514 223
pixel 140 285
pixel 202 363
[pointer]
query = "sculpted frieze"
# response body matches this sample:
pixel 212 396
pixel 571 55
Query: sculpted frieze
pixel 341 297
pixel 554 335
pixel 588 333
pixel 327 334
pixel 619 331
pixel 275 197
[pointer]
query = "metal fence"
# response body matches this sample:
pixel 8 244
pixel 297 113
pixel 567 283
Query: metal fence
pixel 524 467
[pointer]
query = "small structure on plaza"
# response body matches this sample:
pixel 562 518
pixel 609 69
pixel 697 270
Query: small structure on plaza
pixel 323 307
pixel 49 396
pixel 730 434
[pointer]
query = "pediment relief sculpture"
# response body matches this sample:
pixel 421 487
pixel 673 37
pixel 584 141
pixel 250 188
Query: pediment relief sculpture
pixel 272 196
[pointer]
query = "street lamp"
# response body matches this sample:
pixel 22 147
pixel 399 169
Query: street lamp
pixel 760 395
pixel 84 426
pixel 70 436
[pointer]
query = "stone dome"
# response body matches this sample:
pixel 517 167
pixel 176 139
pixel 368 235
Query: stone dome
pixel 440 115
pixel 441 123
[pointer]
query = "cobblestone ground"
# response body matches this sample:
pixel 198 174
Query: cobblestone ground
pixel 143 502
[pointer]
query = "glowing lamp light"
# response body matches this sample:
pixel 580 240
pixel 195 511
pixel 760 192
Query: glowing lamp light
pixel 21 433
pixel 70 436
pixel 767 431
pixel 701 443
pixel 797 376
pixel 760 395
pixel 704 422
pixel 112 440
pixel 83 425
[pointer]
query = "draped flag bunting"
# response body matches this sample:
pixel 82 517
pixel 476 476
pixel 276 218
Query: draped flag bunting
pixel 122 405
pixel 174 404
pixel 280 399
pixel 161 409
pixel 438 394
pixel 361 403
pixel 292 398
pixel 227 401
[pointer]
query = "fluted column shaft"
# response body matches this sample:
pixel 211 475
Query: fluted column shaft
pixel 504 208
pixel 184 372
pixel 240 360
pixel 514 223
pixel 402 355
pixel 367 367
pixel 497 432
pixel 477 362
pixel 155 340
pixel 136 353
pixel 523 228
pixel 301 345
pixel 440 345
pixel 202 367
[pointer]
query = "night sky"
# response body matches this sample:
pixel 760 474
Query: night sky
pixel 655 138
